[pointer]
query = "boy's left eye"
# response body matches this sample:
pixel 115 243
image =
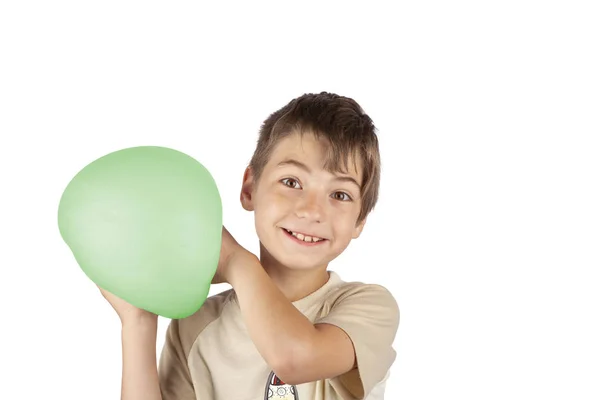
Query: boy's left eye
pixel 340 196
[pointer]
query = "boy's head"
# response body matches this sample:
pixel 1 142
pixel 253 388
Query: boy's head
pixel 315 171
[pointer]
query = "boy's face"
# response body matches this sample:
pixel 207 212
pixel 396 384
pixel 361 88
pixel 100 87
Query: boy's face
pixel 295 193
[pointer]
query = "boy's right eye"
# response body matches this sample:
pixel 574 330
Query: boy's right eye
pixel 290 182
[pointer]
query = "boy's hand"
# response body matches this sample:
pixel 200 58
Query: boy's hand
pixel 230 250
pixel 127 312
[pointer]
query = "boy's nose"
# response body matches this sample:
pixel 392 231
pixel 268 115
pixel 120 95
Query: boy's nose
pixel 311 207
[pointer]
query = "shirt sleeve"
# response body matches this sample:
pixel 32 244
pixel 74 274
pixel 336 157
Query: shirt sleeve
pixel 370 316
pixel 173 371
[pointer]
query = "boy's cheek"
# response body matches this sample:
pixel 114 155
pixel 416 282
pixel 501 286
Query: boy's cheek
pixel 275 203
pixel 280 195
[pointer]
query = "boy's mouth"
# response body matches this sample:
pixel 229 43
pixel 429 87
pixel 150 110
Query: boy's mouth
pixel 302 238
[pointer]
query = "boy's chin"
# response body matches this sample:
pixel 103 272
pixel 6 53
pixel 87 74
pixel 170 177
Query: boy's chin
pixel 295 263
pixel 298 267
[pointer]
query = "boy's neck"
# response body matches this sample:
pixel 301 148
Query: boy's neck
pixel 295 284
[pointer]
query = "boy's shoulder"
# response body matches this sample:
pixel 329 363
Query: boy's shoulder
pixel 347 289
pixel 349 294
pixel 359 304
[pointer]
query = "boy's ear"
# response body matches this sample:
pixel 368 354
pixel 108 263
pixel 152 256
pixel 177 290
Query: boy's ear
pixel 247 190
pixel 358 228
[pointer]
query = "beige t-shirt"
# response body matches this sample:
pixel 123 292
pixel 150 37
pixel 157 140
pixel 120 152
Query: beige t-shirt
pixel 210 356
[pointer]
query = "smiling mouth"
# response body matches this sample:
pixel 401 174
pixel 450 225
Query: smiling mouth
pixel 304 239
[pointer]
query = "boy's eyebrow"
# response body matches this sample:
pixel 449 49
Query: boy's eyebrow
pixel 296 163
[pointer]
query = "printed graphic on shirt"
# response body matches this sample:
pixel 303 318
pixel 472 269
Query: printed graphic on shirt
pixel 277 389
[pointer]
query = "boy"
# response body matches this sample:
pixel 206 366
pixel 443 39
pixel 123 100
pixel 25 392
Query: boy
pixel 288 328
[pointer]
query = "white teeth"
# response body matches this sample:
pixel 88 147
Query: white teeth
pixel 309 239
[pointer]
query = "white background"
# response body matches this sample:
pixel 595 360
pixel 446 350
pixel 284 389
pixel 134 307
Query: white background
pixel 488 227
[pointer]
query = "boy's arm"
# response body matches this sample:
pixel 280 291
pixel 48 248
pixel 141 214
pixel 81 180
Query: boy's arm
pixel 140 375
pixel 138 339
pixel 286 339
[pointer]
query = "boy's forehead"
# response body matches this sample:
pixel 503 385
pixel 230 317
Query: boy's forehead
pixel 311 151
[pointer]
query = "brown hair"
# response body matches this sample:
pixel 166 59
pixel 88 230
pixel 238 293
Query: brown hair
pixel 342 123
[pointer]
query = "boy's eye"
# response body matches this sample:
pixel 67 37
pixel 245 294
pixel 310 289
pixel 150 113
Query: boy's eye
pixel 289 182
pixel 340 196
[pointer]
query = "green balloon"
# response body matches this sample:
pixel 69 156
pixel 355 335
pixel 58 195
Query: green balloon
pixel 145 223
